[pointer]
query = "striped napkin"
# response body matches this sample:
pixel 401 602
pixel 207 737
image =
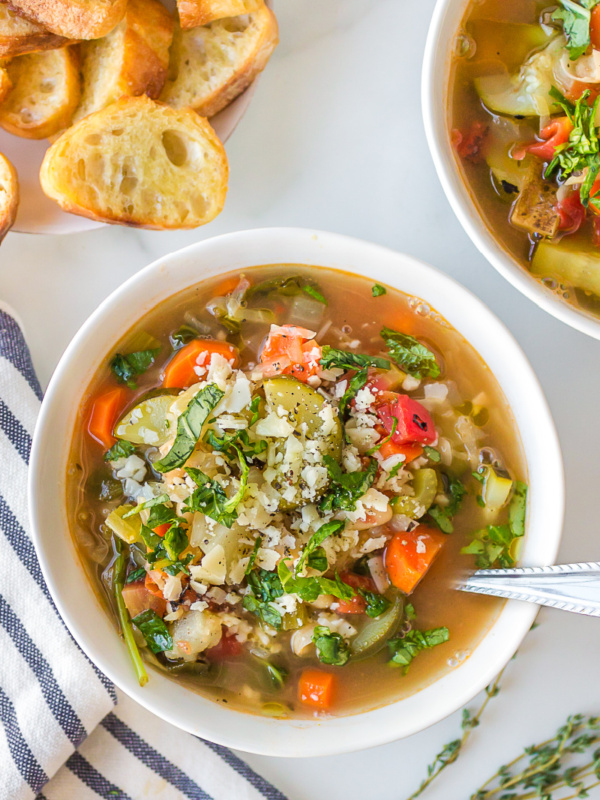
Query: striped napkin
pixel 65 732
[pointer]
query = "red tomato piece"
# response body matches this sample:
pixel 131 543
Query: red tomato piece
pixel 138 598
pixel 357 604
pixel 228 647
pixel 469 144
pixel 414 421
pixel 571 212
pixel 289 350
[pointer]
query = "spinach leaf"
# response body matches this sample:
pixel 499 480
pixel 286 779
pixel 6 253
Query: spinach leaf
pixel 210 498
pixel 264 611
pixel 494 545
pixel 224 444
pixel 318 560
pixel 289 286
pixel 255 409
pixel 253 554
pixel 170 545
pixel 377 604
pixel 126 367
pixel 154 501
pixel 119 450
pixel 442 515
pixel 346 487
pixel 308 589
pixel 189 427
pixel 410 354
pixel 355 384
pixel 326 530
pixel 343 359
pixel 265 587
pixel 135 575
pixel 575 18
pixel 377 290
pixel 183 336
pixel 154 631
pixel 403 650
pixel 332 648
pixel 278 675
pixel 313 292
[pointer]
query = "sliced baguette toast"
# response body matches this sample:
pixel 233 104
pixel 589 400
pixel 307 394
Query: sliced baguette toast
pixel 131 60
pixel 9 195
pixel 74 19
pixel 45 93
pixel 193 13
pixel 140 163
pixel 211 65
pixel 19 36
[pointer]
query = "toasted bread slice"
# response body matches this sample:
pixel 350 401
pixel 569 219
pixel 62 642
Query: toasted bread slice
pixel 19 36
pixel 193 13
pixel 213 64
pixel 9 195
pixel 130 61
pixel 45 93
pixel 75 19
pixel 138 162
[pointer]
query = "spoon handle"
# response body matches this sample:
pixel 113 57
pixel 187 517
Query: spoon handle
pixel 570 587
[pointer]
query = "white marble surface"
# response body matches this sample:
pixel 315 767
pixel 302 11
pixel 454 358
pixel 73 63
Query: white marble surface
pixel 334 140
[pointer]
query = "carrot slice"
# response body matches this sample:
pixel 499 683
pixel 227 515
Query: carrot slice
pixel 317 688
pixel 105 413
pixel 160 530
pixel 409 451
pixel 408 556
pixel 227 286
pixel 179 372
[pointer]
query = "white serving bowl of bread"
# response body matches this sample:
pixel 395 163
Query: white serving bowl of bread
pixel 188 62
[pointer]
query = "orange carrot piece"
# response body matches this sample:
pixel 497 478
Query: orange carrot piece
pixel 409 451
pixel 408 556
pixel 138 598
pixel 105 413
pixel 317 688
pixel 160 530
pixel 227 286
pixel 179 372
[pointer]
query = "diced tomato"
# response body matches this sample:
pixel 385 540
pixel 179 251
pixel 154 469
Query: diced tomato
pixel 138 598
pixel 160 530
pixel 469 144
pixel 595 28
pixel 414 425
pixel 105 412
pixel 596 231
pixel 357 604
pixel 317 688
pixel 180 372
pixel 577 88
pixel 408 556
pixel 556 132
pixel 228 647
pixel 290 350
pixel 571 213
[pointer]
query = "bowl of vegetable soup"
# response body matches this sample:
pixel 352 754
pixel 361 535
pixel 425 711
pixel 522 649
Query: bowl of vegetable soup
pixel 511 113
pixel 277 451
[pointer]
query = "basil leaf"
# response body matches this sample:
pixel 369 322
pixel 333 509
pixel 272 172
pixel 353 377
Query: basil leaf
pixel 265 586
pixel 377 604
pixel 308 589
pixel 121 449
pixel 410 354
pixel 183 336
pixel 575 18
pixel 442 515
pixel 404 650
pixel 343 359
pixel 154 631
pixel 126 367
pixel 326 530
pixel 346 487
pixel 253 555
pixel 332 648
pixel 377 290
pixel 264 611
pixel 318 560
pixel 355 384
pixel 189 428
pixel 210 498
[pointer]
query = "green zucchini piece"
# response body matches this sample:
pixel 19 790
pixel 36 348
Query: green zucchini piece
pixel 148 422
pixel 425 485
pixel 509 43
pixel 373 637
pixel 568 263
pixel 496 489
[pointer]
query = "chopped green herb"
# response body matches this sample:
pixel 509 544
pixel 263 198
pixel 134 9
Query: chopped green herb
pixel 332 648
pixel 189 427
pixel 409 612
pixel 517 509
pixel 326 530
pixel 355 384
pixel 403 650
pixel 377 604
pixel 346 487
pixel 495 544
pixel 255 409
pixel 308 589
pixel 154 631
pixel 183 336
pixel 210 498
pixel 377 290
pixel 119 450
pixel 126 367
pixel 432 454
pixel 410 354
pixel 575 18
pixel 224 444
pixel 253 555
pixel 155 501
pixel 442 515
pixel 265 587
pixel 343 359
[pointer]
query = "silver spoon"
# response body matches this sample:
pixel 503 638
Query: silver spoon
pixel 570 587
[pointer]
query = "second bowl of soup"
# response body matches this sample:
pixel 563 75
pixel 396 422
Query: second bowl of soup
pixel 277 466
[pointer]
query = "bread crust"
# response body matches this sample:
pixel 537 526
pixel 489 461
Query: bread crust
pixel 64 173
pixel 19 35
pixel 75 19
pixel 132 60
pixel 209 101
pixel 30 110
pixel 193 13
pixel 9 195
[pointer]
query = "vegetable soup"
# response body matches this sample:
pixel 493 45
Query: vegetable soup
pixel 277 479
pixel 525 85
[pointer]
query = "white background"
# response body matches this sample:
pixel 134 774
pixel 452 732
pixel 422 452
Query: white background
pixel 334 140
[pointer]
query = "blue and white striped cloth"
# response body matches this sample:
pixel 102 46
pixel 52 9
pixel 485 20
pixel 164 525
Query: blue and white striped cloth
pixel 65 732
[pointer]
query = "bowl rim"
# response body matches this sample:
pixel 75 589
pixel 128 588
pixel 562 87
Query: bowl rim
pixel 435 107
pixel 64 575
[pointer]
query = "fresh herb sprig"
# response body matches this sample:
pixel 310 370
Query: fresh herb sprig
pixel 344 359
pixel 495 544
pixel 575 18
pixel 410 354
pixel 346 487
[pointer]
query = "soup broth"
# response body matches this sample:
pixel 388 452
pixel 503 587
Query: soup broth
pixel 516 85
pixel 332 590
